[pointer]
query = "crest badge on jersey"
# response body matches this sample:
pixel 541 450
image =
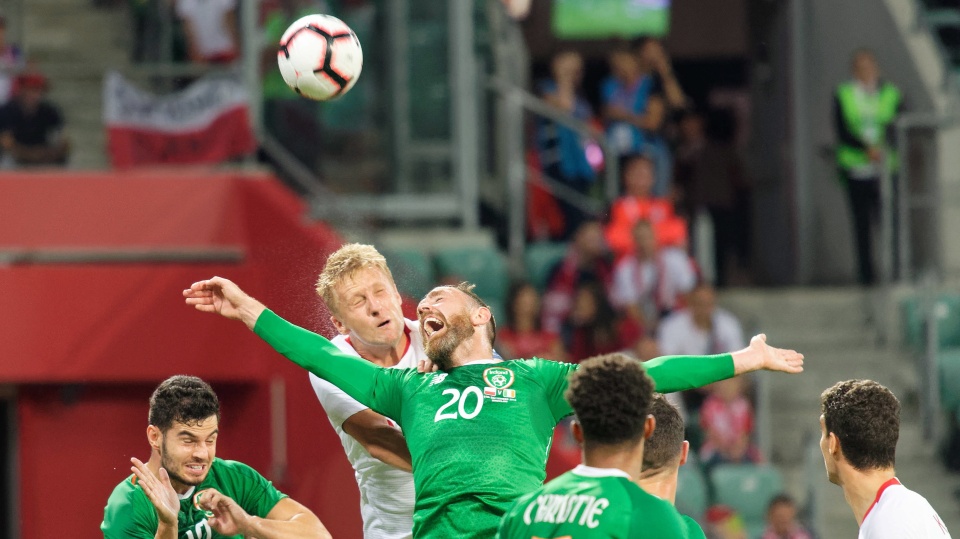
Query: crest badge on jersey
pixel 499 380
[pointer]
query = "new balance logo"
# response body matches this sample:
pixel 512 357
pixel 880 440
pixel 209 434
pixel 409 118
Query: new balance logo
pixel 438 379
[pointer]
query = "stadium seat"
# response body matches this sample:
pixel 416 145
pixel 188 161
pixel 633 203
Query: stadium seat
pixel 412 270
pixel 691 491
pixel 948 316
pixel 949 363
pixel 540 259
pixel 485 267
pixel 747 488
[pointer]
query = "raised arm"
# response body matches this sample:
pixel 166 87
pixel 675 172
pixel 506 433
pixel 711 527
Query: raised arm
pixel 356 377
pixel 679 373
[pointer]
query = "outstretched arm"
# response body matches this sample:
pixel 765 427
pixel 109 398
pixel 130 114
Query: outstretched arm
pixel 679 373
pixel 356 377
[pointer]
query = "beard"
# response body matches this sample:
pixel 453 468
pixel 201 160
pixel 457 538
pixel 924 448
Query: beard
pixel 170 465
pixel 440 349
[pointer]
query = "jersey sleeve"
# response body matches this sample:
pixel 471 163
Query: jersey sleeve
pixel 338 405
pixel 252 491
pixel 129 515
pixel 555 376
pixel 358 378
pixel 679 373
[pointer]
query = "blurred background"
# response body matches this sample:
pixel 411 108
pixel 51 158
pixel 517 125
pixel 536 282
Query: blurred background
pixel 655 176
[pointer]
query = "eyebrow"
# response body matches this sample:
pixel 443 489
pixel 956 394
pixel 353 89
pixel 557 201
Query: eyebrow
pixel 192 435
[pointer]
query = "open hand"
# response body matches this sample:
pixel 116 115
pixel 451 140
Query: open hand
pixel 159 491
pixel 228 517
pixel 776 359
pixel 222 296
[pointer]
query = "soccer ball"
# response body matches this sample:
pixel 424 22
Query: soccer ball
pixel 320 57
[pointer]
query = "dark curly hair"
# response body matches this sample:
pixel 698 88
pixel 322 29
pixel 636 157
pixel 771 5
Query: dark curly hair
pixel 183 399
pixel 865 417
pixel 663 447
pixel 610 396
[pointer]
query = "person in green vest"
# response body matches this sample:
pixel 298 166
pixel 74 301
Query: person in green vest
pixel 864 111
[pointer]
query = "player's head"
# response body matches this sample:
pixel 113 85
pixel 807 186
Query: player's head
pixel 859 427
pixel 184 424
pixel 666 450
pixel 359 290
pixel 610 396
pixel 451 315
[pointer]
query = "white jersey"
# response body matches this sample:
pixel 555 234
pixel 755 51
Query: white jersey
pixel 386 493
pixel 900 513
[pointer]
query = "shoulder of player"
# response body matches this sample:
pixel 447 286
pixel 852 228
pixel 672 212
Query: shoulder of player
pixel 233 469
pixel 899 504
pixel 126 505
pixel 646 505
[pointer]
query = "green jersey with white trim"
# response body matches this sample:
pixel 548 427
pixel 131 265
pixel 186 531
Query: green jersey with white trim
pixel 478 434
pixel 130 513
pixel 592 503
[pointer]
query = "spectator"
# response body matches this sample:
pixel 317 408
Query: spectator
pixel 718 183
pixel 11 62
pixel 522 336
pixel 210 27
pixel 562 151
pixel 593 328
pixel 649 284
pixel 727 422
pixel 723 522
pixel 639 203
pixel 864 111
pixel 586 259
pixel 782 520
pixel 655 63
pixel 699 328
pixel 31 128
pixel 632 108
pixel 689 153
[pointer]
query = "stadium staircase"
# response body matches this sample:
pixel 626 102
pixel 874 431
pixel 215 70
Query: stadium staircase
pixel 74 44
pixel 829 326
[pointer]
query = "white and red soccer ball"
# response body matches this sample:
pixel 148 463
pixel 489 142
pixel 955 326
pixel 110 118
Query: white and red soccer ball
pixel 320 57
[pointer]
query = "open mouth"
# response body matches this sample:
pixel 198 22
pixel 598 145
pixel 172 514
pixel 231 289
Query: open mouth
pixel 431 325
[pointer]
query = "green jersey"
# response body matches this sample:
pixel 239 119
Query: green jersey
pixel 694 531
pixel 592 503
pixel 479 434
pixel 130 513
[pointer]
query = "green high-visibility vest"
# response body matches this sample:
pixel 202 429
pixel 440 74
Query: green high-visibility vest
pixel 853 104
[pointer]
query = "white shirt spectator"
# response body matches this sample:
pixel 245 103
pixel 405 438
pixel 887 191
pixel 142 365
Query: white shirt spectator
pixel 678 335
pixel 208 19
pixel 386 493
pixel 653 285
pixel 900 513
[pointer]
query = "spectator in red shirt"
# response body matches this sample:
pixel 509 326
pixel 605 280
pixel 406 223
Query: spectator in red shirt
pixel 782 520
pixel 522 336
pixel 637 203
pixel 31 127
pixel 586 259
pixel 727 421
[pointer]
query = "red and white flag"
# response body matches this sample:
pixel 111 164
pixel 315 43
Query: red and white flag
pixel 207 122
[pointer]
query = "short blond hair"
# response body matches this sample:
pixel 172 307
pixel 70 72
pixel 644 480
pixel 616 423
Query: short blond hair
pixel 345 262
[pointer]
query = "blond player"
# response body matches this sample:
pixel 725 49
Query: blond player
pixel 859 427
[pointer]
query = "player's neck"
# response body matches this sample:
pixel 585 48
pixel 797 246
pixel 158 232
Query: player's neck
pixel 384 356
pixel 476 348
pixel 616 457
pixel 663 484
pixel 860 489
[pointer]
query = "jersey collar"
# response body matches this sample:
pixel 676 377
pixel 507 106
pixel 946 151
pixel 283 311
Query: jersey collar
pixel 589 471
pixel 187 494
pixel 876 500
